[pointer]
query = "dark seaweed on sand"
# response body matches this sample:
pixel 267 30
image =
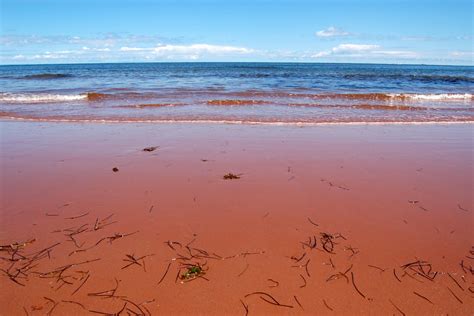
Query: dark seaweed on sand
pixel 231 176
pixel 150 149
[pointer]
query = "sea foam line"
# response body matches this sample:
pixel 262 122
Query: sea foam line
pixel 231 122
pixel 433 96
pixel 43 97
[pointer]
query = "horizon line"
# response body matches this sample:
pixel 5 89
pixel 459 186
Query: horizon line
pixel 240 62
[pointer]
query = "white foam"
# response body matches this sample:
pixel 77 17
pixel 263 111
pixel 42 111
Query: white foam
pixel 39 98
pixel 434 97
pixel 234 122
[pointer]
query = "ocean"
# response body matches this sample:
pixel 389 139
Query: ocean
pixel 253 93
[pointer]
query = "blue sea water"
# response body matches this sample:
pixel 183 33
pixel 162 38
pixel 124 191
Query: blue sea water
pixel 238 92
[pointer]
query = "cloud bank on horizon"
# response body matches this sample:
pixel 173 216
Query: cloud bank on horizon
pixel 53 31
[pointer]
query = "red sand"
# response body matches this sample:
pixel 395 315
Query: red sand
pixel 355 181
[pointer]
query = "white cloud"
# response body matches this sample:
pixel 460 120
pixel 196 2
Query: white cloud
pixel 134 49
pixel 160 52
pixel 200 49
pixel 192 51
pixel 462 54
pixel 353 48
pixel 332 32
pixel 396 53
pixel 364 50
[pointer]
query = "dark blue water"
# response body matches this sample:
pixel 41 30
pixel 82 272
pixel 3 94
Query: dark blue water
pixel 236 92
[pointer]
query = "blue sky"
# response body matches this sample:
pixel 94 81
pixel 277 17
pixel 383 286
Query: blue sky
pixel 384 31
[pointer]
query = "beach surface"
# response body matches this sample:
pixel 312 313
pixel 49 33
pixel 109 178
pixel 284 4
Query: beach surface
pixel 336 219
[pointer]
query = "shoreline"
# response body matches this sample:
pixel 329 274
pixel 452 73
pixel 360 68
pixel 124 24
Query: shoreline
pixel 377 196
pixel 232 122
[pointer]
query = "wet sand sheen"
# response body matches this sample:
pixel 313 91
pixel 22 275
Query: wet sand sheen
pixel 323 219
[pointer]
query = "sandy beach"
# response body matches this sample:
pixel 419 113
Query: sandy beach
pixel 322 220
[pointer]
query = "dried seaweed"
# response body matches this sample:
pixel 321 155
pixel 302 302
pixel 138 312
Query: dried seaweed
pixel 268 298
pixel 231 176
pixel 107 293
pixel 304 266
pixel 423 297
pixel 454 280
pixel 304 280
pixel 340 275
pixel 421 268
pixel 311 244
pixel 396 307
pixel 327 241
pixel 355 286
pixel 396 276
pixel 455 296
pixel 55 304
pixel 243 271
pixel 315 224
pixel 82 284
pixel 275 283
pixel 326 304
pixel 166 272
pixel 375 267
pixel 298 302
pixel 78 216
pixel 298 259
pixel 135 261
pixel 150 149
pixel 246 307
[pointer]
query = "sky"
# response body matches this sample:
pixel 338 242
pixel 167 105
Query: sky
pixel 358 31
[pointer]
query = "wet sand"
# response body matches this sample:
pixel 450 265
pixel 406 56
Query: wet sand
pixel 336 220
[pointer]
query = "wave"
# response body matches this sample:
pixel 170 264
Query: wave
pixel 95 96
pixel 150 105
pixel 243 122
pixel 434 97
pixel 399 96
pixel 39 98
pixel 356 96
pixel 236 102
pixel 250 97
pixel 47 76
pixel 383 107
pixel 412 77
